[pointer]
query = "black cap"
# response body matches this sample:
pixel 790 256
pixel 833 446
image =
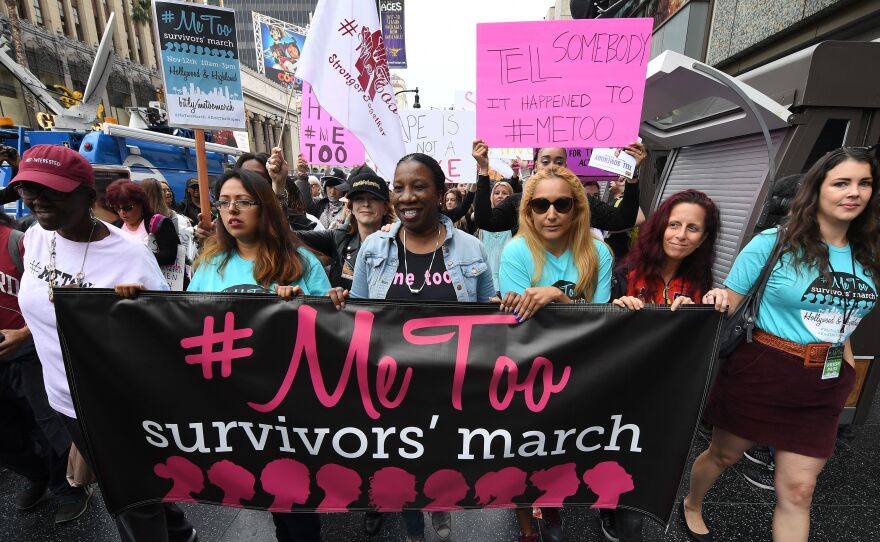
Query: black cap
pixel 370 183
pixel 192 181
pixel 335 178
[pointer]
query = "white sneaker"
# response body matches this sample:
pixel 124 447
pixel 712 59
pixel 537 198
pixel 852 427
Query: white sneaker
pixel 442 523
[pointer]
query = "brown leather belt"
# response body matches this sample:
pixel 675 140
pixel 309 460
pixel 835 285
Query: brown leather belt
pixel 813 354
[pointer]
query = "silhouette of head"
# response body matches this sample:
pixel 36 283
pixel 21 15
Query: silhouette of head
pixel 608 480
pixel 557 484
pixel 341 485
pixel 391 488
pixel 235 481
pixel 288 480
pixel 445 488
pixel 188 478
pixel 497 489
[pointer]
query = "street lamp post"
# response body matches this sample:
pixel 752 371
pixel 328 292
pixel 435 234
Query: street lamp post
pixel 416 105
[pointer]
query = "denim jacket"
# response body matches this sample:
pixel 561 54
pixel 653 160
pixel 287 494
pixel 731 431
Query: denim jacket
pixel 463 254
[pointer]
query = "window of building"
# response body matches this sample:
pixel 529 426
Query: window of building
pixel 61 14
pixel 77 26
pixel 38 12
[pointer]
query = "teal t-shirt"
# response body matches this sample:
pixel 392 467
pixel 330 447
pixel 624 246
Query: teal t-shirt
pixel 238 277
pixel 803 307
pixel 518 268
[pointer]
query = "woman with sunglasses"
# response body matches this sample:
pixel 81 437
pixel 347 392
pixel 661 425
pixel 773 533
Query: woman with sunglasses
pixel 422 258
pixel 505 215
pixel 69 247
pixel 138 220
pixel 787 388
pixel 553 259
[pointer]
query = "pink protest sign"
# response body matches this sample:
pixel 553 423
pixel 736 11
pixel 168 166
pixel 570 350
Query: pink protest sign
pixel 577 83
pixel 579 164
pixel 322 140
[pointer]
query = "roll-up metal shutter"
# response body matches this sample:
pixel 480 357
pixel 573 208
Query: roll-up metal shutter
pixel 731 172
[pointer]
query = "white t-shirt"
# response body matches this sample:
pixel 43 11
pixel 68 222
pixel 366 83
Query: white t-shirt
pixel 118 258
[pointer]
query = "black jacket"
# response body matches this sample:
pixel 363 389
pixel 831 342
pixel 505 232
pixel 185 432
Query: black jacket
pixel 341 246
pixel 166 239
pixel 506 215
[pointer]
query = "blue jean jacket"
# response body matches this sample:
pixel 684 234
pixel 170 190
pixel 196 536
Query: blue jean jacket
pixel 464 255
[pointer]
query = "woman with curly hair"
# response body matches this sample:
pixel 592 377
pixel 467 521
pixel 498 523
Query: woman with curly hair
pixel 787 388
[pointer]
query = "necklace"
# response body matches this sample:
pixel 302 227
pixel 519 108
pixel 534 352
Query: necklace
pixel 430 266
pixel 80 277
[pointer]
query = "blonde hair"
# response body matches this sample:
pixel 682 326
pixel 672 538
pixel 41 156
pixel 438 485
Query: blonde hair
pixel 580 238
pixel 496 185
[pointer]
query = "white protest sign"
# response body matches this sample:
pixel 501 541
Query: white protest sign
pixel 614 160
pixel 447 136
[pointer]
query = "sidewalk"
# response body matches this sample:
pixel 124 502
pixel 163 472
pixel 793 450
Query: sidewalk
pixel 846 508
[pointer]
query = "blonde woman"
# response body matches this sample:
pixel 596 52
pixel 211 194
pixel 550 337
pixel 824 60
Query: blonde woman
pixel 553 259
pixel 495 241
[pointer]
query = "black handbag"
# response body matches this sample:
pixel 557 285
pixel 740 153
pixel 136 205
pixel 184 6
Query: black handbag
pixel 741 323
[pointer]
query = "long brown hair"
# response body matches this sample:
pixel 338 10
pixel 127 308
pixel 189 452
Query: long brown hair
pixel 153 189
pixel 801 237
pixel 580 238
pixel 278 260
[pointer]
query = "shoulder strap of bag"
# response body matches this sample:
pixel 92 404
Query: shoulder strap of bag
pixel 757 291
pixel 13 246
pixel 154 222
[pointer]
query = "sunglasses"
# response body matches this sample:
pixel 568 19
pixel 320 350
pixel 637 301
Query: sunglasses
pixel 542 205
pixel 126 208
pixel 34 190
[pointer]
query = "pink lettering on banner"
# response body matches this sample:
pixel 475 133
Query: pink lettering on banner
pixel 322 140
pixel 226 339
pixel 575 83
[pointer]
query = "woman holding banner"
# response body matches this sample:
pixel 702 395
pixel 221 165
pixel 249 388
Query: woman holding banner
pixel 505 216
pixel 788 387
pixel 423 258
pixel 69 247
pixel 553 259
pixel 671 264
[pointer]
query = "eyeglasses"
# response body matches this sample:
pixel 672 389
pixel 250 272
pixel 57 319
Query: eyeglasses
pixel 167 191
pixel 34 190
pixel 542 205
pixel 126 208
pixel 239 204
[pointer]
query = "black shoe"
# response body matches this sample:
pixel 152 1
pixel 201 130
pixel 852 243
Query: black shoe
pixel 606 522
pixel 73 506
pixel 31 496
pixel 760 455
pixel 372 523
pixel 762 476
pixel 442 523
pixel 707 537
pixel 193 537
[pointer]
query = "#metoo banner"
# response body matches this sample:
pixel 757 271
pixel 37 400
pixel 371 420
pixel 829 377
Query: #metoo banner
pixel 201 69
pixel 251 401
pixel 577 83
pixel 322 140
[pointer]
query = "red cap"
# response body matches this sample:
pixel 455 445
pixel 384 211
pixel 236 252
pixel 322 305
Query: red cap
pixel 56 167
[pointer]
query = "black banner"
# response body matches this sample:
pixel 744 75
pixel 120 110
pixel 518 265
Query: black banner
pixel 250 401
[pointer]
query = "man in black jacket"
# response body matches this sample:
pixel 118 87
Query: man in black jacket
pixel 505 216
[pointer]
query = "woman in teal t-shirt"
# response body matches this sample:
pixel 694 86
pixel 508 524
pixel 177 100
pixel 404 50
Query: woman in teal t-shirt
pixel 253 250
pixel 787 388
pixel 553 259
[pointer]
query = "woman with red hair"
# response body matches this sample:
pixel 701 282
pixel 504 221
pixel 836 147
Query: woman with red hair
pixel 671 263
pixel 137 219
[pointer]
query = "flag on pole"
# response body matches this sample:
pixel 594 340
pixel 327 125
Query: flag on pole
pixel 344 62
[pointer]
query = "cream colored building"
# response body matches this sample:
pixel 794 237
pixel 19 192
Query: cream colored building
pixel 60 38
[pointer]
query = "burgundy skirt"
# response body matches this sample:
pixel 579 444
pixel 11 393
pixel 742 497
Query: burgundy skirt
pixel 769 397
